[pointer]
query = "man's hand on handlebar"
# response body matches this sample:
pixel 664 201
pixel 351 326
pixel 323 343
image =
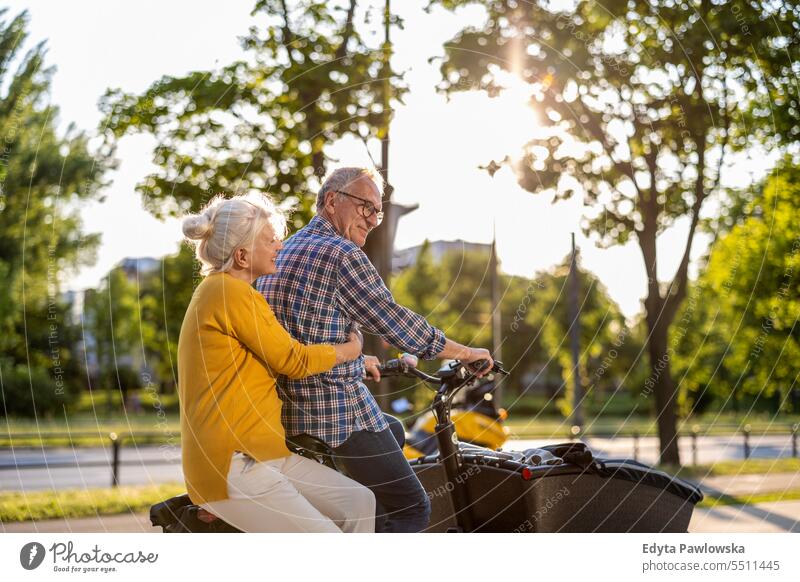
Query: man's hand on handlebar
pixel 372 368
pixel 475 355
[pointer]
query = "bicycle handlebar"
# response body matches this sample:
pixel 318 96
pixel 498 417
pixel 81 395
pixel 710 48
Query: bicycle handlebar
pixel 401 367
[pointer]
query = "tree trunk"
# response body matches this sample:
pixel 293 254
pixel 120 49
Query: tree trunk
pixel 380 245
pixel 379 250
pixel 663 388
pixel 318 162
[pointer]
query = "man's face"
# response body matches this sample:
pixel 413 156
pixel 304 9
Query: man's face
pixel 346 214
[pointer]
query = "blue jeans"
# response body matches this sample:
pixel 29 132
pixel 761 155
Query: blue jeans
pixel 376 460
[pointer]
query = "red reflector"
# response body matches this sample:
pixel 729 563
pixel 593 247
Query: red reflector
pixel 206 516
pixel 527 474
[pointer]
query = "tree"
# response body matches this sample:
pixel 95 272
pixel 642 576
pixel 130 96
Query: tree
pixel 261 123
pixel 171 291
pixel 743 336
pixel 44 177
pixel 114 318
pixel 454 294
pixel 419 284
pixel 640 104
pixel 605 339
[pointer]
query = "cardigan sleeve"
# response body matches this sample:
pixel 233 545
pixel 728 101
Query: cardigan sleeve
pixel 253 323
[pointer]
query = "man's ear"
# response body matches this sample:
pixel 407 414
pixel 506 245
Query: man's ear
pixel 330 202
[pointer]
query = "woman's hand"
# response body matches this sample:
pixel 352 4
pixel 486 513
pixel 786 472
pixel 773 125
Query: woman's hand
pixel 355 333
pixel 349 351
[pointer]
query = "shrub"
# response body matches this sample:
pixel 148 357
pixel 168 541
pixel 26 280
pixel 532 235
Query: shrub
pixel 33 391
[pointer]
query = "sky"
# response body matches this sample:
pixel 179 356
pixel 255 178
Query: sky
pixel 437 145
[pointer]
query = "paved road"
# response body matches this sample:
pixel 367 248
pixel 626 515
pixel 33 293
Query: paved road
pixel 773 517
pixel 124 523
pixel 139 466
pixel 152 464
pixel 710 449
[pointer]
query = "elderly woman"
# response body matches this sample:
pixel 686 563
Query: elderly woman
pixel 231 348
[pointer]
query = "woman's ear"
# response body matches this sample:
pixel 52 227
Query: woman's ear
pixel 241 258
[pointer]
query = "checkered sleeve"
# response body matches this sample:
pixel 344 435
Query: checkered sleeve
pixel 363 296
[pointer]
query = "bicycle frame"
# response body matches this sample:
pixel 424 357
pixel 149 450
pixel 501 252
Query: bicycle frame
pixel 453 380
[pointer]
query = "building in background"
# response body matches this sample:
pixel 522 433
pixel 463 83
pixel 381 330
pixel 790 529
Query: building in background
pixel 405 258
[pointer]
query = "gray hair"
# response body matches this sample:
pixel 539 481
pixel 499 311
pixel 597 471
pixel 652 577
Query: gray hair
pixel 226 224
pixel 340 178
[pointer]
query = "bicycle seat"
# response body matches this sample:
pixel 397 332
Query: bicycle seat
pixel 308 443
pixel 312 448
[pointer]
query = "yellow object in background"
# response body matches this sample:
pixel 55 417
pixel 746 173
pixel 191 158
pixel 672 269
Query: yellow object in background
pixel 471 426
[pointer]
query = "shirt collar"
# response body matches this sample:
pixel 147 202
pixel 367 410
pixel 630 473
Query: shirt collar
pixel 321 225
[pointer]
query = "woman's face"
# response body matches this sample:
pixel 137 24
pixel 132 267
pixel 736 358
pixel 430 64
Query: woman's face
pixel 265 250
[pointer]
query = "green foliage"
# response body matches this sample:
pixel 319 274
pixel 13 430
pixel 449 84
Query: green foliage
pixel 608 347
pixel 636 98
pixel 33 392
pixel 714 499
pixel 115 317
pixel 263 123
pixel 455 295
pixel 134 324
pixel 639 103
pixel 170 291
pixel 44 177
pixel 743 340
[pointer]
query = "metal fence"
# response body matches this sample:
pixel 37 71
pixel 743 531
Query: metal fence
pixel 745 432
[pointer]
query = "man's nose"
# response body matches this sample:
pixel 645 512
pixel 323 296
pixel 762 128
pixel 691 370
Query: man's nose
pixel 372 220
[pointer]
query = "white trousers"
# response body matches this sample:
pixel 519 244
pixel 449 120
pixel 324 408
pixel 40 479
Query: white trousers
pixel 293 494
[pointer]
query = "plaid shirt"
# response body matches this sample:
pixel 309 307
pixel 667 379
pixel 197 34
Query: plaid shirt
pixel 323 284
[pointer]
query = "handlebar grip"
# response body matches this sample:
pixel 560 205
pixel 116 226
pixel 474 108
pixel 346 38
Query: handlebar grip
pixel 401 367
pixel 498 367
pixel 478 365
pixel 392 368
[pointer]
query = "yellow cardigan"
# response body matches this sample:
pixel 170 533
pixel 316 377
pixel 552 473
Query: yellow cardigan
pixel 230 350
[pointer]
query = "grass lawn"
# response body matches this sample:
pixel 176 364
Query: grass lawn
pixel 747 467
pixel 712 501
pixel 38 505
pixel 86 429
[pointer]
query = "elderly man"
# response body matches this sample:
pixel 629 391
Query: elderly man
pixel 323 285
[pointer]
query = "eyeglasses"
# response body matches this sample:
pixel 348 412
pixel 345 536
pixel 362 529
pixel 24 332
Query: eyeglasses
pixel 366 208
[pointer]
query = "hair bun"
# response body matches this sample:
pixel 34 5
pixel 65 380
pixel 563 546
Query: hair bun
pixel 197 227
